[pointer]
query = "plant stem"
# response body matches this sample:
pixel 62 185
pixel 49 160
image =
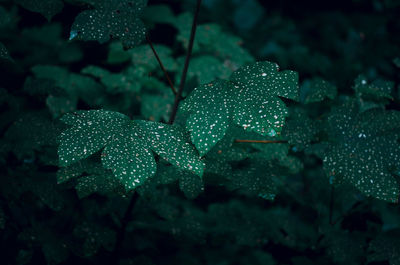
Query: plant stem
pixel 261 141
pixel 121 232
pixel 332 199
pixel 161 65
pixel 178 96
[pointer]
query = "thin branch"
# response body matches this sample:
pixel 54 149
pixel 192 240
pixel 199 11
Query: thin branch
pixel 121 232
pixel 261 141
pixel 178 96
pixel 161 65
pixel 331 204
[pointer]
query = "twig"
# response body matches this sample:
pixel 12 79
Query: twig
pixel 261 141
pixel 161 65
pixel 178 96
pixel 121 232
pixel 332 199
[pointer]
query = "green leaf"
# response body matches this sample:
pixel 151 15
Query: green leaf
pixel 385 247
pixel 189 183
pixel 48 8
pixel 316 90
pixel 75 85
pixel 258 178
pixel 211 105
pixel 257 106
pixel 299 129
pixel 172 143
pixel 95 236
pixel 204 69
pixel 111 19
pixel 92 177
pixel 364 150
pixel 114 82
pixel 4 54
pixel 376 90
pixel 250 99
pixel 125 153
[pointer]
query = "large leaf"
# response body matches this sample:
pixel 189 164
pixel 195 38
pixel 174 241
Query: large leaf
pixel 365 150
pixel 111 19
pixel 250 99
pixel 125 152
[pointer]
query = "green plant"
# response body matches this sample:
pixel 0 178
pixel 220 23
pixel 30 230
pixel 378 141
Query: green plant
pixel 268 163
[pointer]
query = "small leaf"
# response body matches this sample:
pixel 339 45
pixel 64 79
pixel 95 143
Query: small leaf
pixel 4 54
pixel 316 90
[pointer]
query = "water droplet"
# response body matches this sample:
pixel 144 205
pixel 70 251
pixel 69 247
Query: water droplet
pixel 73 34
pixel 272 133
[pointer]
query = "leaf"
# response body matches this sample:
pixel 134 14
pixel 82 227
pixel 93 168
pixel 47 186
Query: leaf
pixel 211 105
pixel 4 54
pixel 125 152
pixel 95 236
pixel 190 184
pixel 385 247
pixel 172 143
pixel 157 107
pixel 316 90
pixel 364 150
pixel 258 178
pixel 114 83
pixel 92 177
pixel 249 100
pixel 204 69
pixel 75 85
pixel 299 130
pixel 111 19
pixel 376 90
pixel 48 8
pixel 258 107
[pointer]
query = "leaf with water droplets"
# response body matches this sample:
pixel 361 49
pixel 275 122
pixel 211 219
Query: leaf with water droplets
pixel 92 177
pixel 316 90
pixel 172 143
pixel 258 107
pixel 48 8
pixel 211 107
pixel 364 150
pixel 111 19
pixel 375 90
pixel 125 153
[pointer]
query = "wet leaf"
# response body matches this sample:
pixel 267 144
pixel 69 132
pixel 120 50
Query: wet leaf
pixel 172 143
pixel 125 152
pixel 364 150
pixel 258 107
pixel 111 19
